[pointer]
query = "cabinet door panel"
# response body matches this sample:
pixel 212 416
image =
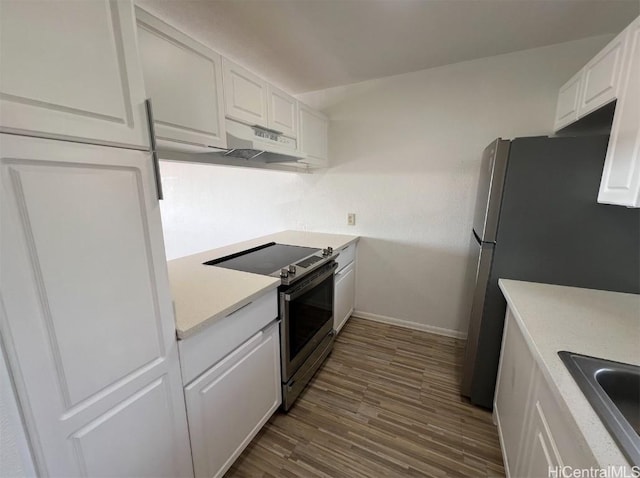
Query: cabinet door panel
pixel 515 379
pixel 70 69
pixel 283 112
pixel 228 404
pixel 313 136
pixel 87 307
pixel 345 289
pixel 184 81
pixel 143 424
pixel 245 95
pixel 601 77
pixel 568 101
pixel 621 178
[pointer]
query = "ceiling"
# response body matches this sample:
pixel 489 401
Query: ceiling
pixel 307 45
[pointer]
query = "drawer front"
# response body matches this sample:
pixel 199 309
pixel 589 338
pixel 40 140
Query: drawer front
pixel 202 350
pixel 346 257
pixel 231 401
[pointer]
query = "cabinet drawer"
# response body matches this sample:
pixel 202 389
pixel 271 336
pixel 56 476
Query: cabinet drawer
pixel 232 400
pixel 198 352
pixel 346 257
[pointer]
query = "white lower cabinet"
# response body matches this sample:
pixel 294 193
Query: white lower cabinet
pixel 345 286
pixel 345 289
pixel 229 403
pixel 537 432
pixel 542 453
pixel 513 389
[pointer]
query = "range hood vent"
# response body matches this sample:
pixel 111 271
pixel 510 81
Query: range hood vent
pixel 256 143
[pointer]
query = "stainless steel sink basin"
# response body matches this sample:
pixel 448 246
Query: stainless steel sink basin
pixel 613 390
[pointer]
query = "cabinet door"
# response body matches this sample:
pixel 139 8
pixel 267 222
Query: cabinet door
pixel 542 454
pixel 313 136
pixel 245 95
pixel 15 456
pixel 601 77
pixel 70 69
pixel 345 289
pixel 283 112
pixel 87 307
pixel 184 80
pixel 231 401
pixel 621 178
pixel 515 377
pixel 568 101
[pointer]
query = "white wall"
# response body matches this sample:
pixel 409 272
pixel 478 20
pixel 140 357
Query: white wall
pixel 405 153
pixel 208 206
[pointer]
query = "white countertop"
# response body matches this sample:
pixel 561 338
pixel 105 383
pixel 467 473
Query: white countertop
pixel 203 294
pixel 590 322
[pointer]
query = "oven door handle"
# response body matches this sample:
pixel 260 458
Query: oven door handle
pixel 297 293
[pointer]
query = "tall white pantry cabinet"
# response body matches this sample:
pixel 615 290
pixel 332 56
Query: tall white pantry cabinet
pixel 86 319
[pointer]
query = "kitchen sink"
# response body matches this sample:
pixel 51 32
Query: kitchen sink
pixel 613 390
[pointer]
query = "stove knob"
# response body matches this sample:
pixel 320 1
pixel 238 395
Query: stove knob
pixel 325 252
pixel 292 269
pixel 330 250
pixel 284 273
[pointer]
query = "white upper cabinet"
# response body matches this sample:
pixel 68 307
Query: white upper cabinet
pixel 283 112
pixel 184 80
pixel 70 70
pixel 245 95
pixel 568 100
pixel 621 179
pixel 601 77
pixel 87 315
pixel 313 136
pixel 613 74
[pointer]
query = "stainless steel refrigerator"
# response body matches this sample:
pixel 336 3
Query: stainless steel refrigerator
pixel 537 220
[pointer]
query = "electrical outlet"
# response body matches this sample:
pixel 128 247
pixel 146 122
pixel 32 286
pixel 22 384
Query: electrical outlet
pixel 351 219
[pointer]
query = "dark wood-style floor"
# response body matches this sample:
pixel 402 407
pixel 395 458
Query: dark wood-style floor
pixel 385 404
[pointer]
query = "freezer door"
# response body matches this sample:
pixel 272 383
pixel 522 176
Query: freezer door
pixel 492 172
pixel 484 258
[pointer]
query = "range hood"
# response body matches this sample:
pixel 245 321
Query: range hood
pixel 256 143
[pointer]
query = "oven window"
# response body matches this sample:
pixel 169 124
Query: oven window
pixel 308 313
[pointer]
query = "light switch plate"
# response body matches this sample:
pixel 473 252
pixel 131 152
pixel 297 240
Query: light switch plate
pixel 351 219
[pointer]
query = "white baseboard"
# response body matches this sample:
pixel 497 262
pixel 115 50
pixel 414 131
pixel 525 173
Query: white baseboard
pixel 407 324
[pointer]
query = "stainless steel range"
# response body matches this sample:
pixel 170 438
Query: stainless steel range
pixel 305 306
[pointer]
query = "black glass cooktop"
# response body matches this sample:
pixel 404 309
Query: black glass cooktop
pixel 265 259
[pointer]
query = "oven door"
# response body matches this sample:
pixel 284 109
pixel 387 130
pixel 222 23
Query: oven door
pixel 306 311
